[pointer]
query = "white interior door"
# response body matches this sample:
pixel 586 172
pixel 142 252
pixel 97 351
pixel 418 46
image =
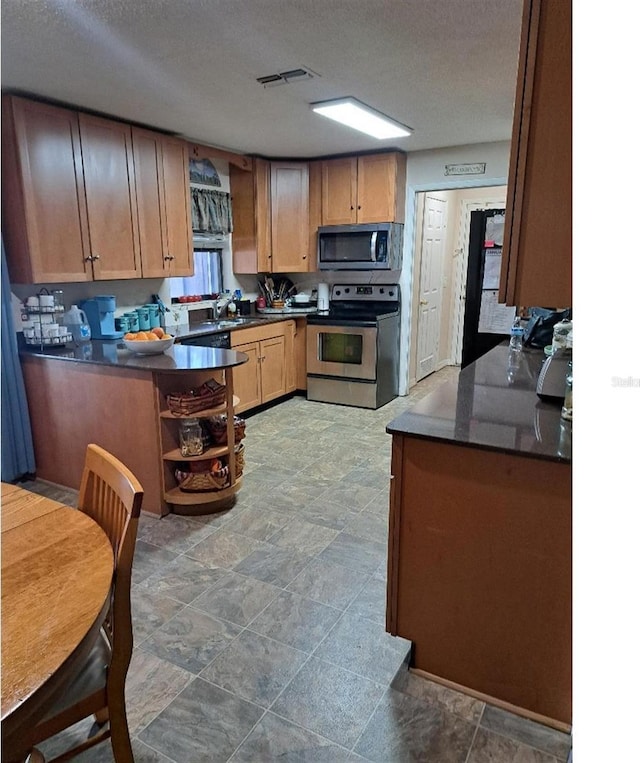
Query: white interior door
pixel 429 313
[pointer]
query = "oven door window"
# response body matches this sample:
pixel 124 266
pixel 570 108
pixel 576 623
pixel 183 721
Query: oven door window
pixel 341 348
pixel 342 352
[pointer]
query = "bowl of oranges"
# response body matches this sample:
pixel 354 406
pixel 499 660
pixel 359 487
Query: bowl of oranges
pixel 153 342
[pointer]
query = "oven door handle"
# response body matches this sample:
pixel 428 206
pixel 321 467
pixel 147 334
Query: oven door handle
pixel 374 243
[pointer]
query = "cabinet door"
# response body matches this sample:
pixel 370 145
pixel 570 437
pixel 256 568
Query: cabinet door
pixel 246 378
pixel 147 155
pixel 536 264
pixel 339 191
pixel 315 212
pixel 175 167
pixel 107 159
pixel 250 196
pixel 378 188
pixel 43 201
pixel 289 217
pixel 272 368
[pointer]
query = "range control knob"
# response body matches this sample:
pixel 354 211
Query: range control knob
pixel 338 292
pixel 347 290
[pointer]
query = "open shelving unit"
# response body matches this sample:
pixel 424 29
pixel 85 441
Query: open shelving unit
pixel 187 502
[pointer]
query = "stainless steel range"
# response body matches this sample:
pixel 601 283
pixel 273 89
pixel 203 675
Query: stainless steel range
pixel 353 349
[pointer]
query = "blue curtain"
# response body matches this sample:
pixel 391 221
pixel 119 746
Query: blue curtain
pixel 18 458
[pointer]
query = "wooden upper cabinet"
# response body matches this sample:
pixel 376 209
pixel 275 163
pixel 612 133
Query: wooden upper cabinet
pixel 44 223
pixel 250 199
pixel 289 217
pixel 381 188
pixel 339 191
pixel 177 196
pixel 536 266
pixel 87 198
pixel 364 189
pixel 315 212
pixel 107 160
pixel 270 217
pixel 164 212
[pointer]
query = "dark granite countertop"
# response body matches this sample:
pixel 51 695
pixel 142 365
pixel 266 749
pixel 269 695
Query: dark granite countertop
pixel 494 407
pixel 113 353
pixel 241 322
pixel 178 358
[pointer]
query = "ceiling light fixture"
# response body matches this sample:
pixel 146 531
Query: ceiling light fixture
pixel 359 116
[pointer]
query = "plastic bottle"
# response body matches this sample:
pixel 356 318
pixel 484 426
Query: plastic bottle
pixel 567 405
pixel 76 321
pixel 517 332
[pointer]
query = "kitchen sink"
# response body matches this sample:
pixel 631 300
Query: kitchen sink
pixel 226 323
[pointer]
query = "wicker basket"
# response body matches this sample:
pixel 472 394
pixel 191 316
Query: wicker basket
pixel 217 426
pixel 208 395
pixel 203 482
pixel 239 452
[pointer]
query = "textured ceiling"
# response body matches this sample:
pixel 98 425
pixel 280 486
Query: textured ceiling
pixel 446 68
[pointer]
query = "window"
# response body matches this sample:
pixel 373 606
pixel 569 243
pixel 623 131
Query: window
pixel 207 277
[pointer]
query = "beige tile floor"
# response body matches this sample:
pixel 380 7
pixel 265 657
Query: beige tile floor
pixel 259 632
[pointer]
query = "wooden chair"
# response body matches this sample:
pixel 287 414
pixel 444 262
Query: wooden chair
pixel 112 496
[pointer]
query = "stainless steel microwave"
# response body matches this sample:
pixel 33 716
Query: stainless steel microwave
pixel 372 246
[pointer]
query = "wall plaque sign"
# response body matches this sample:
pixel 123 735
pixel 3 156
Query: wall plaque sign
pixel 465 169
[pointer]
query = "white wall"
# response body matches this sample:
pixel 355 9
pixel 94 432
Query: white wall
pixel 426 172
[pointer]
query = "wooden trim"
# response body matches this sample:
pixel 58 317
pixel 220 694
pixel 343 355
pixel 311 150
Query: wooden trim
pixel 201 151
pixel 519 144
pixel 393 558
pixel 521 711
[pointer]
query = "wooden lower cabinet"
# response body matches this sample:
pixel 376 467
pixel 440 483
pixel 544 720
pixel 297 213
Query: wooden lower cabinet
pixel 479 575
pixel 262 379
pixel 271 370
pixel 124 410
pixel 247 377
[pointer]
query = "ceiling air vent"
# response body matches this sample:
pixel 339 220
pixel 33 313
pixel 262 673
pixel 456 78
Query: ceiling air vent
pixel 285 78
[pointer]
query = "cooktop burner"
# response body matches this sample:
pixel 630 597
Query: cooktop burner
pixel 363 303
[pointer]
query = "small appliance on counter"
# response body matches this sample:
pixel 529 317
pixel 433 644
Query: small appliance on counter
pixel 323 297
pixel 553 376
pixel 100 314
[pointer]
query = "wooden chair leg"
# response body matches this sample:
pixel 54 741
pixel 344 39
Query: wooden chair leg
pixel 102 716
pixel 120 739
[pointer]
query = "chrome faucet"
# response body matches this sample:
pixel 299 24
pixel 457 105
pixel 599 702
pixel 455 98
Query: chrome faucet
pixel 220 304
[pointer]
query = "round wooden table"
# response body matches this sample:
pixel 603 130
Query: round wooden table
pixel 57 568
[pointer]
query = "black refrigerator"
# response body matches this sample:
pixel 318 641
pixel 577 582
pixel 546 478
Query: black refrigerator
pixel 486 322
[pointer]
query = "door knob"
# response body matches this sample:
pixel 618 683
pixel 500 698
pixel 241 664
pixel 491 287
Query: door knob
pixel 424 302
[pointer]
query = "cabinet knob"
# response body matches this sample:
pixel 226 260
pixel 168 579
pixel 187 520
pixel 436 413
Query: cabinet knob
pixel 352 207
pixel 359 207
pixel 88 259
pixel 95 257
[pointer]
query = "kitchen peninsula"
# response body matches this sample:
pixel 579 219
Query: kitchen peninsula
pixel 100 392
pixel 480 537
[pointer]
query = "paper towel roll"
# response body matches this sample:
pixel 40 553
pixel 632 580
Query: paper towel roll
pixel 323 296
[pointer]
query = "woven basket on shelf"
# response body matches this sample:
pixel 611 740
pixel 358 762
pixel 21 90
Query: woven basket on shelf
pixel 218 428
pixel 239 451
pixel 202 482
pixel 208 395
